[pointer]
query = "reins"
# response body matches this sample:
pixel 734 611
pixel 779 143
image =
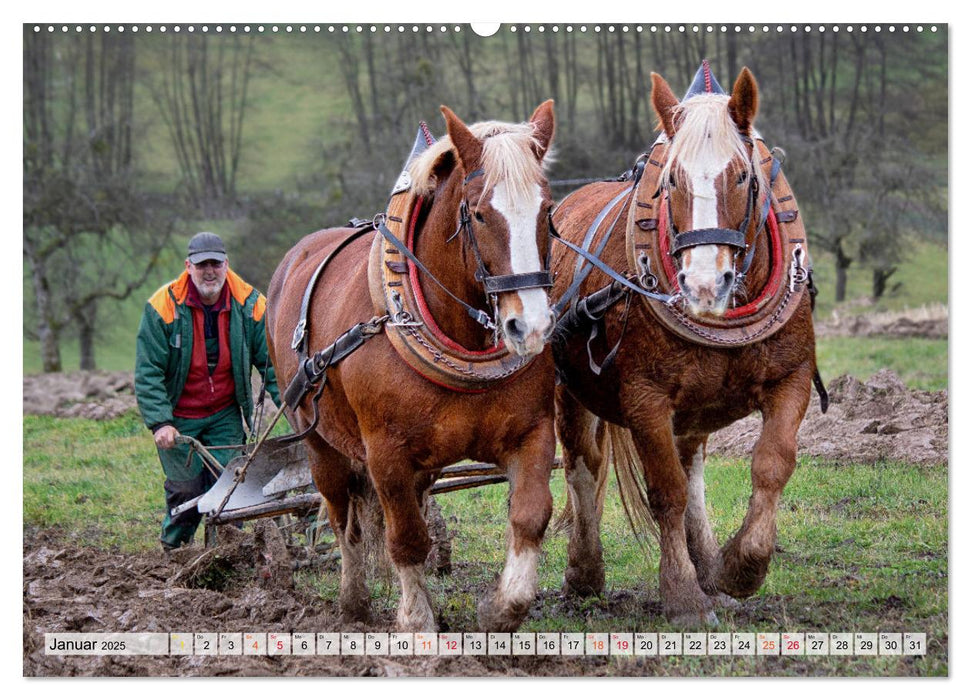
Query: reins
pixel 593 259
pixel 480 316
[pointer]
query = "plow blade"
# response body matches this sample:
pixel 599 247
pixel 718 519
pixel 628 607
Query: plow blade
pixel 277 465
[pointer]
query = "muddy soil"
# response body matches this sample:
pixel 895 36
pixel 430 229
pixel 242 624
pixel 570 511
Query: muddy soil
pixel 68 588
pixel 926 322
pixel 80 589
pixel 93 395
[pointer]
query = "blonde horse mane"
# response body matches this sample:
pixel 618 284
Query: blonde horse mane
pixel 705 129
pixel 507 156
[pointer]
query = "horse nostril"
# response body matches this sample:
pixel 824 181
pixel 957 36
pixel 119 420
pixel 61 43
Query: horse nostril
pixel 729 279
pixel 514 329
pixel 681 280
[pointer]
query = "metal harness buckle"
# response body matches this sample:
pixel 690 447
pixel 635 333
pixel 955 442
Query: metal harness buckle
pixel 797 273
pixel 298 334
pixel 400 317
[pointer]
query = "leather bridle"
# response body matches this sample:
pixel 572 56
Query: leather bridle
pixel 497 284
pixel 732 237
pixel 492 285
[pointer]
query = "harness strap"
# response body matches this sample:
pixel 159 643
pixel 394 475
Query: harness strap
pixel 498 284
pixel 300 331
pixel 705 236
pixel 587 313
pixel 763 216
pixel 581 266
pixel 612 353
pixel 480 316
pixel 597 263
pixel 821 390
pixel 583 270
pixel 589 309
pixel 312 371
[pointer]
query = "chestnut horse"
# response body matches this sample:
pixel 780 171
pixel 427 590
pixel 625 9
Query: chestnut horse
pixel 669 389
pixel 485 206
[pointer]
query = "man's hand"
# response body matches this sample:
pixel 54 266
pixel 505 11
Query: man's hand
pixel 165 437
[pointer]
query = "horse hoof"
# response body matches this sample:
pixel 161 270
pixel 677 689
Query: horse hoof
pixel 582 583
pixel 720 600
pixel 495 618
pixel 742 574
pixel 739 590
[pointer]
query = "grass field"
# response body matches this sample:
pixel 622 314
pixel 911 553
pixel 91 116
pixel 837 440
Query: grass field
pixel 920 362
pixel 923 280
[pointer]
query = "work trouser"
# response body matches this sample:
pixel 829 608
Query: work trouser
pixel 185 479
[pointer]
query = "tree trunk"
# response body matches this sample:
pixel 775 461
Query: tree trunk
pixel 50 344
pixel 843 262
pixel 84 319
pixel 880 277
pixel 86 344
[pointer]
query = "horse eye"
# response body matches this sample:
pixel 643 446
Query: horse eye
pixel 479 217
pixel 671 181
pixel 742 177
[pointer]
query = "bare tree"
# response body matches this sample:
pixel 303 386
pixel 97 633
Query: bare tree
pixel 863 185
pixel 86 232
pixel 202 95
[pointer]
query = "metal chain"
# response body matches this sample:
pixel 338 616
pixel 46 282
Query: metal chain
pixel 699 331
pixel 438 356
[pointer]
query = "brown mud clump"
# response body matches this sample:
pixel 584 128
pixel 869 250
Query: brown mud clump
pixel 879 420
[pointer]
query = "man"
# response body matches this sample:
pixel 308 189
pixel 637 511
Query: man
pixel 198 339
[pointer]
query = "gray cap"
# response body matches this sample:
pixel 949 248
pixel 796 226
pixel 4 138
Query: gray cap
pixel 206 246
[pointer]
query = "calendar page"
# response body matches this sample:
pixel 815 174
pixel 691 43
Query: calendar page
pixel 723 245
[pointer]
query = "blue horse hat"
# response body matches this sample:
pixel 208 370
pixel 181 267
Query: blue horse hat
pixel 703 83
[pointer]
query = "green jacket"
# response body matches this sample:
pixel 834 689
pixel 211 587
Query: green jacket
pixel 164 348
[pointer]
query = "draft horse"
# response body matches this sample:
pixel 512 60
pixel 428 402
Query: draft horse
pixel 477 232
pixel 704 321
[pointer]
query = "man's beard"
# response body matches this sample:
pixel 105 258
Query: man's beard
pixel 210 289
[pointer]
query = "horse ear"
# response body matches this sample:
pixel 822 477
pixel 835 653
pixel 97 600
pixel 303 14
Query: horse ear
pixel 544 124
pixel 744 102
pixel 665 103
pixel 468 147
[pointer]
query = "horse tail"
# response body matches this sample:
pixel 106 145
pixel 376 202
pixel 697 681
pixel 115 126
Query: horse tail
pixel 617 446
pixel 630 483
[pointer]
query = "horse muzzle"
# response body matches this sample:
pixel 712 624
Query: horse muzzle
pixel 708 296
pixel 527 339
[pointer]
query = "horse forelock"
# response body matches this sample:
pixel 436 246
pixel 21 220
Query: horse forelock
pixel 705 133
pixel 508 157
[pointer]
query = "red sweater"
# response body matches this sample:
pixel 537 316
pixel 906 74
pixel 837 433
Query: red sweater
pixel 206 392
